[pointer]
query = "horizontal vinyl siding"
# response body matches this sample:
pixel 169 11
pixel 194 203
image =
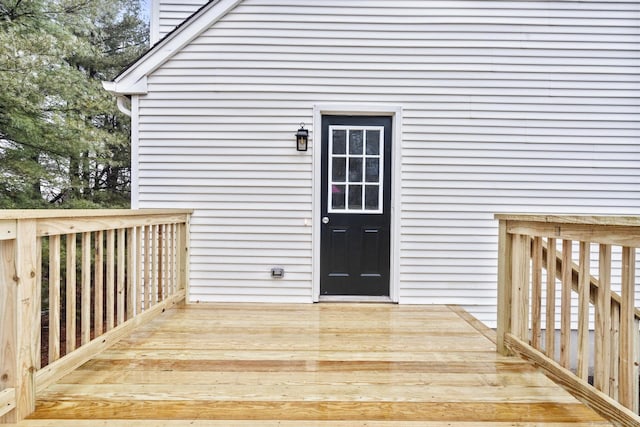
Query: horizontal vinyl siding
pixel 171 13
pixel 508 106
pixel 251 193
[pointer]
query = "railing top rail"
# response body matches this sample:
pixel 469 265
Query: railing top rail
pixel 14 214
pixel 605 220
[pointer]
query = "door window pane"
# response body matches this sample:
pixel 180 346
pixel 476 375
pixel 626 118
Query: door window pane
pixel 355 197
pixel 339 141
pixel 337 196
pixel 373 142
pixel 371 197
pixel 339 169
pixel 372 173
pixel 355 142
pixel 355 170
pixel 355 174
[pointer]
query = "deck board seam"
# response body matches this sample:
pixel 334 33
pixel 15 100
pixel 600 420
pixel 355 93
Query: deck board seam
pixel 487 332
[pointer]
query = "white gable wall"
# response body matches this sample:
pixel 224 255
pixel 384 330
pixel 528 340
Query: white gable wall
pixel 508 106
pixel 168 14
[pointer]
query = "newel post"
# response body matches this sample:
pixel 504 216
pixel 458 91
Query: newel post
pixel 184 234
pixel 19 318
pixel 505 294
pixel 628 392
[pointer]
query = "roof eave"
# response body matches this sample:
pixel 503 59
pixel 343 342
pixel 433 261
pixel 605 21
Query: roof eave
pixel 121 88
pixel 133 80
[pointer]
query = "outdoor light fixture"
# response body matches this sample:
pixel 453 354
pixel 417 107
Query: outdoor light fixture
pixel 302 138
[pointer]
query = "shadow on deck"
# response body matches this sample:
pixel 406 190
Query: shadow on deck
pixel 308 365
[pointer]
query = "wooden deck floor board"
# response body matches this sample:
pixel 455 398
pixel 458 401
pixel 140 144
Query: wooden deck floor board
pixel 195 377
pixel 301 365
pixel 301 423
pixel 461 356
pixel 344 391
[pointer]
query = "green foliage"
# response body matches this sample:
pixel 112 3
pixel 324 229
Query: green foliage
pixel 63 143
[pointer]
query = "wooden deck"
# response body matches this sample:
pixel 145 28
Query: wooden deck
pixel 308 365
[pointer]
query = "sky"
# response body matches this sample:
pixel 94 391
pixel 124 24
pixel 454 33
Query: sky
pixel 145 8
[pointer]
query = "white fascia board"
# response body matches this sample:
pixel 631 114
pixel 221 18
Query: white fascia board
pixel 117 88
pixel 131 81
pixel 109 87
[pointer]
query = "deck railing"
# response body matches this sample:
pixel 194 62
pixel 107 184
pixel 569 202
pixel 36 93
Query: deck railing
pixel 577 272
pixel 103 272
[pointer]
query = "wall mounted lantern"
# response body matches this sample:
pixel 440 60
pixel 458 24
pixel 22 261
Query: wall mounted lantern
pixel 302 138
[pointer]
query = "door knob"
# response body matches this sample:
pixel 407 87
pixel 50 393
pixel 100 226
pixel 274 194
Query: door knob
pixel 325 220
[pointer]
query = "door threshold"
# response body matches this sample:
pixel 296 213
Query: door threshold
pixel 354 298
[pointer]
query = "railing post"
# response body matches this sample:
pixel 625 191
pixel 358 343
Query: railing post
pixel 504 286
pixel 20 318
pixel 628 336
pixel 183 256
pixel 8 317
pixel 520 271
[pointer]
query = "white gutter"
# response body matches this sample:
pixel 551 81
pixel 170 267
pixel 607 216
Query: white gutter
pixel 124 95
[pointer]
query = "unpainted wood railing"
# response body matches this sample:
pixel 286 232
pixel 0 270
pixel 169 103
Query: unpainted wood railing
pixel 541 256
pixel 103 272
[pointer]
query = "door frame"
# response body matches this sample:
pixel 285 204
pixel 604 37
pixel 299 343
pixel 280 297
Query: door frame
pixel 395 112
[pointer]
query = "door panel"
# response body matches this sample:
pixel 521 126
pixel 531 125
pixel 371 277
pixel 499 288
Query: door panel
pixel 338 250
pixel 356 203
pixel 371 251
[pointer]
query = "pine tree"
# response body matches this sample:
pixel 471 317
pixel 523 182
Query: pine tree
pixel 62 141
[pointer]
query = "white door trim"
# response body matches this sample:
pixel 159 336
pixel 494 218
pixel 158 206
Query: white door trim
pixel 395 112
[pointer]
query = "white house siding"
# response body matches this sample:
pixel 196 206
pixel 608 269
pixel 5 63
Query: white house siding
pixel 508 106
pixel 168 14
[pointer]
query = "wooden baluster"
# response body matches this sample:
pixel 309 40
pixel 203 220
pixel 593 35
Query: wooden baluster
pixel 565 303
pixel 54 298
pixel 154 264
pixel 550 335
pixel 584 287
pixel 131 271
pixel 98 315
pixel 520 279
pixel 85 304
pixel 110 282
pixel 147 267
pixel 121 262
pixel 536 293
pixel 160 263
pixel 176 256
pixel 167 260
pixel 70 304
pixel 614 373
pixel 37 333
pixel 172 265
pixel 138 267
pixel 636 370
pixel 628 337
pixel 29 272
pixel 602 359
